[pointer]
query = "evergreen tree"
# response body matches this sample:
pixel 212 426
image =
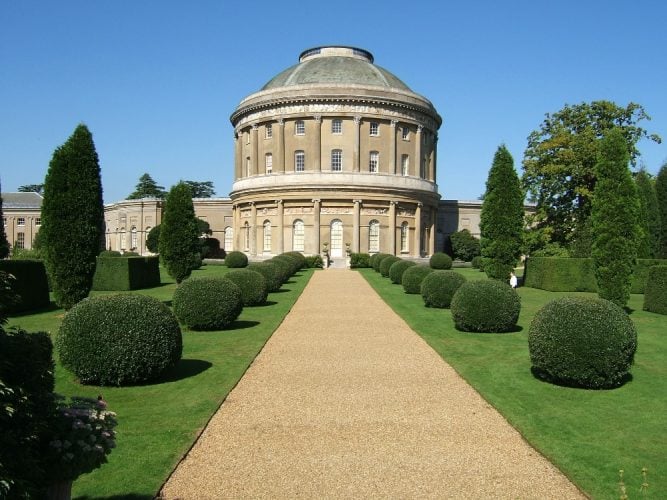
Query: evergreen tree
pixel 147 188
pixel 614 220
pixel 4 244
pixel 661 196
pixel 502 217
pixel 179 237
pixel 649 216
pixel 72 229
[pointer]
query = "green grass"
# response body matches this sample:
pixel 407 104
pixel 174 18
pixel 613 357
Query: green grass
pixel 589 435
pixel 157 423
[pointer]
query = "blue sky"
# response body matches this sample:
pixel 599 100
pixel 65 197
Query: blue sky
pixel 156 81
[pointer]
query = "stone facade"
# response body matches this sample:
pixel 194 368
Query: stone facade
pixel 22 218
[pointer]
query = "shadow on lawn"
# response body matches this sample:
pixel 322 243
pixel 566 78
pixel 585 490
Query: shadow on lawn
pixel 242 325
pixel 186 368
pixel 265 304
pixel 128 496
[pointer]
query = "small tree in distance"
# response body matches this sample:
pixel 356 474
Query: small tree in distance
pixel 465 246
pixel 614 220
pixel 501 220
pixel 179 237
pixel 661 195
pixel 147 188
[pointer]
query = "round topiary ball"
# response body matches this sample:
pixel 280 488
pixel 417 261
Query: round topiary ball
pixel 236 259
pixel 303 263
pixel 413 277
pixel 582 342
pixel 207 303
pixel 376 260
pixel 271 274
pixel 485 306
pixel 386 263
pixel 119 339
pixel 252 284
pixel 439 287
pixel 440 260
pixel 292 261
pixel 283 268
pixel 397 269
pixel 477 262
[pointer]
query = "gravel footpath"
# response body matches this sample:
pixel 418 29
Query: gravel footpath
pixel 346 401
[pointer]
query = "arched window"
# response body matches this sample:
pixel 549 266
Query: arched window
pixel 122 239
pixel 298 236
pixel 133 238
pixel 229 239
pixel 267 236
pixel 405 247
pixel 374 162
pixel 336 238
pixel 336 160
pixel 246 237
pixel 299 161
pixel 374 236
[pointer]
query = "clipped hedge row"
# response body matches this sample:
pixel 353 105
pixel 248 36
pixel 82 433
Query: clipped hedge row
pixel 252 285
pixel 376 260
pixel 207 303
pixel 640 273
pixel 439 287
pixel 397 269
pixel 413 276
pixel 485 306
pixel 236 259
pixel 386 263
pixel 655 297
pixel 126 273
pixel 270 272
pixel 30 284
pixel 359 260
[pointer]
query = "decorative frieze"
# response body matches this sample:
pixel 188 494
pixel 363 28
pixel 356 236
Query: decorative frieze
pixel 336 210
pixel 298 210
pixel 405 212
pixel 373 211
pixel 245 213
pixel 267 211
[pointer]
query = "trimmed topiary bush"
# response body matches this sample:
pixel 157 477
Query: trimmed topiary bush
pixel 386 263
pixel 30 284
pixel 477 262
pixel 314 262
pixel 126 273
pixel 271 274
pixel 110 253
pixel 119 339
pixel 236 259
pixel 293 262
pixel 359 260
pixel 413 277
pixel 376 260
pixel 298 256
pixel 582 342
pixel 286 264
pixel 440 260
pixel 207 303
pixel 439 287
pixel 485 306
pixel 252 284
pixel 397 269
pixel 655 295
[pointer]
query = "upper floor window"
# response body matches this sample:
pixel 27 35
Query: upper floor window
pixel 337 126
pixel 405 164
pixel 38 221
pixel 268 163
pixel 268 131
pixel 20 221
pixel 299 161
pixel 299 127
pixel 373 163
pixel 247 138
pixel 375 128
pixel 405 133
pixel 336 160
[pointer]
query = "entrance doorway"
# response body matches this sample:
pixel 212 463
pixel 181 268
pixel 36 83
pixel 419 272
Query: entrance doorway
pixel 336 238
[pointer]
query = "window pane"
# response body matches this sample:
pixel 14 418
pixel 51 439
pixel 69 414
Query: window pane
pixel 269 131
pixel 404 237
pixel 374 161
pixel 299 127
pixel 268 161
pixel 298 236
pixel 405 164
pixel 267 236
pixel 375 128
pixel 337 126
pixel 299 161
pixel 336 160
pixel 229 238
pixel 374 236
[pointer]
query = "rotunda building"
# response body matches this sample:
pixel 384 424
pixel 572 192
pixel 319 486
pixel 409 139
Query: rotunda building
pixel 335 153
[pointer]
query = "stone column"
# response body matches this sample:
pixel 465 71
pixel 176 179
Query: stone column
pixel 431 234
pixel 418 230
pixel 315 240
pixel 356 226
pixel 317 144
pixel 236 223
pixel 392 227
pixel 253 228
pixel 392 148
pixel 418 152
pixel 237 157
pixel 281 226
pixel 434 158
pixel 357 143
pixel 280 147
pixel 254 151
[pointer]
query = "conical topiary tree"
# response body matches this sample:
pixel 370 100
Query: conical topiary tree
pixel 72 217
pixel 4 244
pixel 661 196
pixel 649 217
pixel 614 220
pixel 501 220
pixel 179 237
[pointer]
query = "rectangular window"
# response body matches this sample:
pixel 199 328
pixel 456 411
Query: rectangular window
pixel 374 237
pixel 404 238
pixel 268 163
pixel 374 162
pixel 268 129
pixel 20 240
pixel 299 127
pixel 38 221
pixel 336 160
pixel 299 161
pixel 267 236
pixel 375 129
pixel 405 133
pixel 20 221
pixel 247 138
pixel 247 167
pixel 337 126
pixel 405 164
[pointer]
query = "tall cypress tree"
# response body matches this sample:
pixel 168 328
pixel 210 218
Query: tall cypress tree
pixel 502 218
pixel 72 217
pixel 649 216
pixel 661 196
pixel 4 244
pixel 614 220
pixel 179 237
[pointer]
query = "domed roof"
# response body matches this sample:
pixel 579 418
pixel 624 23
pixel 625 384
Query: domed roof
pixel 336 65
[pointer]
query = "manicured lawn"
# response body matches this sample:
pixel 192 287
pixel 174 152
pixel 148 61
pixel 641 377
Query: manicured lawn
pixel 158 422
pixel 589 435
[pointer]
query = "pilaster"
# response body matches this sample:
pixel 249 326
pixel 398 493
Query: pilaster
pixel 254 148
pixel 280 147
pixel 315 239
pixel 317 160
pixel 357 143
pixel 281 226
pixel 356 226
pixel 418 230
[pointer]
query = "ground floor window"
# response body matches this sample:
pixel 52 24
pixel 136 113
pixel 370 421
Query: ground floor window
pixel 374 236
pixel 298 236
pixel 229 239
pixel 267 236
pixel 404 238
pixel 246 239
pixel 133 238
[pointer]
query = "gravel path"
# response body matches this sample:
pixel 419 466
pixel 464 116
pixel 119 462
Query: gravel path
pixel 346 401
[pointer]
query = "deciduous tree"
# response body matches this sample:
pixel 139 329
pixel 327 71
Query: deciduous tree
pixel 614 220
pixel 465 246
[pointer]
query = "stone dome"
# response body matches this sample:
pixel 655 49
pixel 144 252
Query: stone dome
pixel 336 65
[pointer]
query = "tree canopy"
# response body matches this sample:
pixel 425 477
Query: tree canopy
pixel 32 188
pixel 201 189
pixel 147 188
pixel 559 163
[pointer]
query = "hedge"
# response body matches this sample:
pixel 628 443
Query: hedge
pixel 252 284
pixel 359 260
pixel 397 269
pixel 485 306
pixel 386 263
pixel 440 260
pixel 207 303
pixel 655 298
pixel 126 273
pixel 641 271
pixel 31 284
pixel 439 287
pixel 236 259
pixel 413 276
